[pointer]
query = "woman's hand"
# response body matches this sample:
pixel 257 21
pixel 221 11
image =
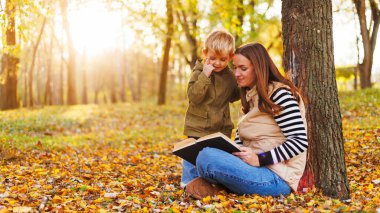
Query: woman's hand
pixel 248 156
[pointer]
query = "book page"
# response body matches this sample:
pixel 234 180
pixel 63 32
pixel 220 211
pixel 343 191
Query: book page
pixel 184 143
pixel 215 135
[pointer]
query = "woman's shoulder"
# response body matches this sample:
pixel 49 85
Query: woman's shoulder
pixel 279 85
pixel 282 91
pixel 276 87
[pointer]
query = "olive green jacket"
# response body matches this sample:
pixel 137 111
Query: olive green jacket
pixel 208 111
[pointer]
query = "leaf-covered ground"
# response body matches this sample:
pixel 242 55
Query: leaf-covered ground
pixel 114 158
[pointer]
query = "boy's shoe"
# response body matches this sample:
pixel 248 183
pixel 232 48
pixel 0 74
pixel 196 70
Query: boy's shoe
pixel 199 188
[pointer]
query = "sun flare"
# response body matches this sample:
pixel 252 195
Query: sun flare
pixel 96 29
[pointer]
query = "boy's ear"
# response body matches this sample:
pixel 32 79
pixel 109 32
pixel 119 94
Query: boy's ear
pixel 232 55
pixel 204 51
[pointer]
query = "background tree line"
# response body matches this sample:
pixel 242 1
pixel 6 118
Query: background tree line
pixel 40 64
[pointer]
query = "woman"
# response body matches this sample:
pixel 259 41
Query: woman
pixel 272 128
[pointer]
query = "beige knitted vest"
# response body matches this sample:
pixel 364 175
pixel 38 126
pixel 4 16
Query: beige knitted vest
pixel 260 131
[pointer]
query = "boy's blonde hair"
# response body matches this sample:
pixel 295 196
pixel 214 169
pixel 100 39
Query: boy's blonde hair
pixel 220 42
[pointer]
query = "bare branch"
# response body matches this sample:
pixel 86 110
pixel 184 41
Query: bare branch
pixel 376 21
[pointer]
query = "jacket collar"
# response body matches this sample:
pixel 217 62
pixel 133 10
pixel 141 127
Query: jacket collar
pixel 253 91
pixel 250 94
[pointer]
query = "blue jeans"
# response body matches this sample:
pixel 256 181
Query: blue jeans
pixel 220 167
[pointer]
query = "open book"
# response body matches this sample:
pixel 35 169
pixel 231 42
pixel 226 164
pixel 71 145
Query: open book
pixel 188 149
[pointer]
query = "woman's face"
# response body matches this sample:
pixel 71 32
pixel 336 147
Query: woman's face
pixel 244 72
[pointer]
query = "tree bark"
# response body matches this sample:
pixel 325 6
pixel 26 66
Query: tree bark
pixel 8 74
pixel 308 45
pixel 165 60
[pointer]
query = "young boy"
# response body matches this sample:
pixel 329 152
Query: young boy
pixel 211 88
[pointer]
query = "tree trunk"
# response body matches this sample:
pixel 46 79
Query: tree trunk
pixel 368 39
pixel 96 96
pixel 48 99
pixel 190 28
pixel 31 71
pixel 308 45
pixel 71 88
pixel 239 26
pixel 39 65
pixel 180 74
pixel 84 79
pixel 356 78
pixel 165 60
pixel 139 95
pixel 25 95
pixel 113 86
pixel 130 80
pixel 122 73
pixel 252 20
pixel 8 88
pixel 61 76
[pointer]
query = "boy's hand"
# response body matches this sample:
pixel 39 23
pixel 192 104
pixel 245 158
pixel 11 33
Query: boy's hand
pixel 207 68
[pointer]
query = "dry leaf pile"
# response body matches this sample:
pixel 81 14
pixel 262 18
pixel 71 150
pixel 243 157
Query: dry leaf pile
pixel 118 159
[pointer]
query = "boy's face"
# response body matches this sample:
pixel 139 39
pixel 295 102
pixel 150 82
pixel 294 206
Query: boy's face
pixel 218 61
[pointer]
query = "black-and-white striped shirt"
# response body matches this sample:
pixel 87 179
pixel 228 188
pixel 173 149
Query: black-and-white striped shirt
pixel 292 126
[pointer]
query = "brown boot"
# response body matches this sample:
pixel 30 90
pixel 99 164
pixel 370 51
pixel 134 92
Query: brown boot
pixel 199 188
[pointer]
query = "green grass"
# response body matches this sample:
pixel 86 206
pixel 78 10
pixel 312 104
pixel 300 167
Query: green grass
pixel 58 126
pixel 360 109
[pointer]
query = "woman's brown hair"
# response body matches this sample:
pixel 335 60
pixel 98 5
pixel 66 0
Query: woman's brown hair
pixel 265 72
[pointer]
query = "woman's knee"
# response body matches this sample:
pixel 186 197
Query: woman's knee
pixel 211 159
pixel 209 154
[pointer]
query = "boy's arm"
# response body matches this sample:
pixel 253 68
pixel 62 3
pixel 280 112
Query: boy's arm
pixel 235 94
pixel 197 87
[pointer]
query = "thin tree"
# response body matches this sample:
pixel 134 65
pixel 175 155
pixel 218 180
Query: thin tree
pixel 71 88
pixel 126 65
pixel 59 91
pixel 61 74
pixel 48 99
pixel 31 69
pixel 188 20
pixel 84 78
pixel 308 45
pixel 240 13
pixel 165 60
pixel 8 72
pixel 369 36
